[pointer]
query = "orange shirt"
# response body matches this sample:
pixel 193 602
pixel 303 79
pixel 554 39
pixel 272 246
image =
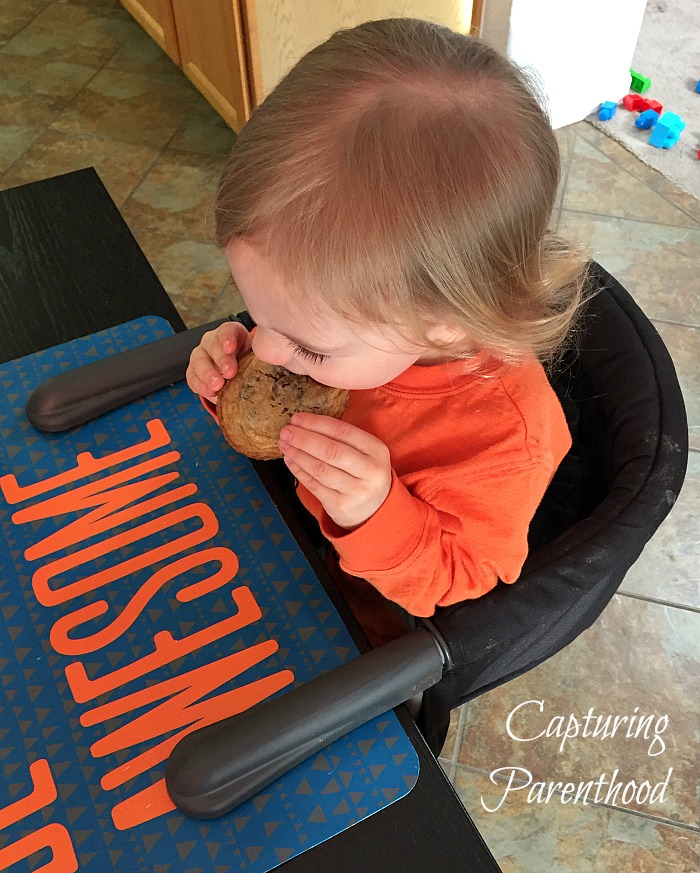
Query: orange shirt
pixel 472 458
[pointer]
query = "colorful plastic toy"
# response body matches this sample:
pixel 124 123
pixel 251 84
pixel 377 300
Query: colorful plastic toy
pixel 650 104
pixel 607 110
pixel 647 119
pixel 639 83
pixel 697 87
pixel 666 131
pixel 634 103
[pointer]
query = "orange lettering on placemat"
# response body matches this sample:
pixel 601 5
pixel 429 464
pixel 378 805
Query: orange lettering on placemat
pixel 167 649
pixel 140 599
pixel 86 465
pixel 52 836
pixel 143 806
pixel 43 793
pixel 105 516
pixel 51 597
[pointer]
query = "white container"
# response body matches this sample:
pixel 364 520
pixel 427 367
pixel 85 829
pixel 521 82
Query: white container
pixel 580 50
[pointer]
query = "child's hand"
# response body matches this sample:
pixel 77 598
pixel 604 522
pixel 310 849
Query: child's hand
pixel 348 469
pixel 214 359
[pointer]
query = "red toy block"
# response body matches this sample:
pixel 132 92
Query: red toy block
pixel 645 104
pixel 635 103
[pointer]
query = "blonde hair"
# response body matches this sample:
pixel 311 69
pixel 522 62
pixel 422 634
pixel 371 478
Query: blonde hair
pixel 403 174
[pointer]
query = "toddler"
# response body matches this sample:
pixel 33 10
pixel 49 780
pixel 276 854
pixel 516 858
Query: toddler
pixel 385 217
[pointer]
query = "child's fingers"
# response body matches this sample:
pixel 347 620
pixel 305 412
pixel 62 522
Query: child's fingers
pixel 328 496
pixel 327 453
pixel 306 425
pixel 310 468
pixel 203 375
pixel 223 346
pixel 351 485
pixel 215 358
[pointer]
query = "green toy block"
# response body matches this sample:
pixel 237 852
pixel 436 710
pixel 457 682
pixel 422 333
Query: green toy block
pixel 640 83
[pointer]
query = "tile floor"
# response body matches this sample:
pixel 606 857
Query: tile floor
pixel 82 85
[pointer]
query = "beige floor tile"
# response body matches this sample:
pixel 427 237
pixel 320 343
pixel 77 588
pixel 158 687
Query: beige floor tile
pixel 176 197
pixel 677 196
pixel 15 16
pixel 638 659
pixel 230 302
pixel 139 53
pixel 15 139
pixel 110 7
pixel 77 33
pixel 641 171
pixel 558 837
pixel 136 108
pixel 618 153
pixel 121 166
pixel 450 747
pixel 193 273
pixel 683 344
pixel 566 137
pixel 34 91
pixel 658 264
pixel 597 184
pixel 669 567
pixel 204 131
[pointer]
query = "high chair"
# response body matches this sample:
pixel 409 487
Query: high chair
pixel 624 406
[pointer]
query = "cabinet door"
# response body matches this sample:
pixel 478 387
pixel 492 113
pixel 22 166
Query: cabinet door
pixel 281 31
pixel 156 18
pixel 212 54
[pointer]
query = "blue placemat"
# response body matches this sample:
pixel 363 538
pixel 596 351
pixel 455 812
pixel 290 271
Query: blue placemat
pixel 148 586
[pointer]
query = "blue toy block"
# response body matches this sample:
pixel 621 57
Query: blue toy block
pixel 697 87
pixel 607 110
pixel 666 131
pixel 647 119
pixel 663 138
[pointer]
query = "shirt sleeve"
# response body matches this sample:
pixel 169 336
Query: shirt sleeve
pixel 210 407
pixel 427 549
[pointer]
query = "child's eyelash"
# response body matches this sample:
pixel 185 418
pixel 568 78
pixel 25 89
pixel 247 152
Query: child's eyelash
pixel 314 357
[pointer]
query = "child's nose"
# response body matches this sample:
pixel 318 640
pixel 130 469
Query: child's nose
pixel 270 348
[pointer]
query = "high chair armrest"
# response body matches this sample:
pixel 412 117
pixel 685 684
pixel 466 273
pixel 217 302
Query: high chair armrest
pixel 214 769
pixel 78 395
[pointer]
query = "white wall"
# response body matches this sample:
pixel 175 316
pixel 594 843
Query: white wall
pixel 581 49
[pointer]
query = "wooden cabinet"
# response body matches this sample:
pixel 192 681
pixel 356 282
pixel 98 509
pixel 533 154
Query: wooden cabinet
pixel 206 38
pixel 284 30
pixel 156 18
pixel 235 51
pixel 212 54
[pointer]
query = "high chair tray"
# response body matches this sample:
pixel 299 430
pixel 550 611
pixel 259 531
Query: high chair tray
pixel 149 586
